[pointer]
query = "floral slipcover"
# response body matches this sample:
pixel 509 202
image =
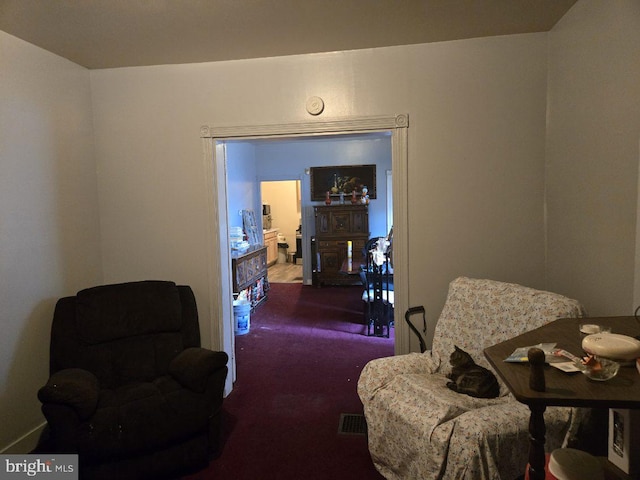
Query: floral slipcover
pixel 420 429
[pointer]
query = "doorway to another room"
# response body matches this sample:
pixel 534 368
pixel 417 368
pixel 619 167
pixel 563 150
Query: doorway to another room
pixel 282 225
pixel 246 156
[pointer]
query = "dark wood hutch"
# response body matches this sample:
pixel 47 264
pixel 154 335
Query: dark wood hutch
pixel 336 225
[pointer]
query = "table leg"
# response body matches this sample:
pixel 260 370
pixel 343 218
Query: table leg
pixel 537 432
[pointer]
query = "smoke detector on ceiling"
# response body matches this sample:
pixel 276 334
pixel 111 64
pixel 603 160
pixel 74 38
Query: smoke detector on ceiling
pixel 315 105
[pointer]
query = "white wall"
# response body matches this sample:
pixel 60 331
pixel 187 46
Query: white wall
pixel 243 191
pixel 49 230
pixel 476 152
pixel 593 136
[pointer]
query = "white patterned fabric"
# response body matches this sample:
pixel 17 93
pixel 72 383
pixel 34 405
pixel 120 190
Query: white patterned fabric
pixel 420 429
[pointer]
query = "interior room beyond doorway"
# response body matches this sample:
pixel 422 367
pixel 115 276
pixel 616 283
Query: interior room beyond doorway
pixel 282 225
pixel 241 161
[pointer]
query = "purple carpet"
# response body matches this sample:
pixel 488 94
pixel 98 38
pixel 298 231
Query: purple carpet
pixel 298 369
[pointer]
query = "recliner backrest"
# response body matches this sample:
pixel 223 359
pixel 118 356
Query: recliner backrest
pixel 479 313
pixel 126 332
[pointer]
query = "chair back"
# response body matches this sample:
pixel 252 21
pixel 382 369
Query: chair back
pixel 377 275
pixel 126 332
pixel 479 313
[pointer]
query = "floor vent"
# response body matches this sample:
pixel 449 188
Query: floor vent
pixel 352 424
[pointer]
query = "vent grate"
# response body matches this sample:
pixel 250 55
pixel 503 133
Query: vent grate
pixel 352 424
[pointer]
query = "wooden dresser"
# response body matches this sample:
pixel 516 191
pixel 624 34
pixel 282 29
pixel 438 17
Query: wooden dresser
pixel 250 272
pixel 336 225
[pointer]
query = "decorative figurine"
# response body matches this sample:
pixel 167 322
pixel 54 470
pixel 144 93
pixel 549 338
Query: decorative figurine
pixel 365 196
pixel 327 198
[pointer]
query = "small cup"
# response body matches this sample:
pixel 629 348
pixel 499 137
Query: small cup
pixel 591 328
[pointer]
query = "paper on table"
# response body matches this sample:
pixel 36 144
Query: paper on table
pixel 519 355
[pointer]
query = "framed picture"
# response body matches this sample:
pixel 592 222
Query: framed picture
pixel 342 179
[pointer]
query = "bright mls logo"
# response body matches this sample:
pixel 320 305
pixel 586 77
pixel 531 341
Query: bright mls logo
pixel 55 467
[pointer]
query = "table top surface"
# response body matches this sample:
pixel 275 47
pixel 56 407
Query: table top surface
pixel 568 389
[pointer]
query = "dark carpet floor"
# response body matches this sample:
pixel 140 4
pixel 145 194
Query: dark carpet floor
pixel 298 369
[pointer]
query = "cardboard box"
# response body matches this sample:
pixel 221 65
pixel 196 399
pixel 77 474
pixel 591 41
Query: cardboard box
pixel 624 440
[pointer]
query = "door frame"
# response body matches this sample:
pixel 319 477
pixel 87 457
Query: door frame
pixel 219 255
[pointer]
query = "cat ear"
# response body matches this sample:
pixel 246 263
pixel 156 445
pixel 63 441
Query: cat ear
pixel 457 348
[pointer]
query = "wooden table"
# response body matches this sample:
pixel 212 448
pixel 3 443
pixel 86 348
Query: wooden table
pixel 563 389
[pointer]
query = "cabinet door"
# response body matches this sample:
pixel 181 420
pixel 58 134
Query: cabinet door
pixel 272 249
pixel 240 275
pixel 329 261
pixel 340 223
pixel 333 254
pixel 261 263
pixel 322 223
pixel 360 222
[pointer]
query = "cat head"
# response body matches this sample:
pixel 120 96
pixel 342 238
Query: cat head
pixel 459 358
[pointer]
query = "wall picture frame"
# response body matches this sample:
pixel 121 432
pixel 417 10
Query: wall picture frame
pixel 342 179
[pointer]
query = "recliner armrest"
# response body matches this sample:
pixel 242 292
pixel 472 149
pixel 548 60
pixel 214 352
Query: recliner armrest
pixel 74 387
pixel 377 373
pixel 193 366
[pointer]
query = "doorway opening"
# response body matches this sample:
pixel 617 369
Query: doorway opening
pixel 218 141
pixel 282 225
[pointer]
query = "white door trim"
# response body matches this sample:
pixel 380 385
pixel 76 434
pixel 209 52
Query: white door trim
pixel 221 307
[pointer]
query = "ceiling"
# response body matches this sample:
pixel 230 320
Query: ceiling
pixel 120 33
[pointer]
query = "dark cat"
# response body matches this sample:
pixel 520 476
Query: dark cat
pixel 469 378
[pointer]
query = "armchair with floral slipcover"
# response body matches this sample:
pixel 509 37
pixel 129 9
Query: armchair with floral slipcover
pixel 419 428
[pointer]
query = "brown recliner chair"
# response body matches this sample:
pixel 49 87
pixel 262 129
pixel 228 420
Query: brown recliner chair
pixel 131 391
